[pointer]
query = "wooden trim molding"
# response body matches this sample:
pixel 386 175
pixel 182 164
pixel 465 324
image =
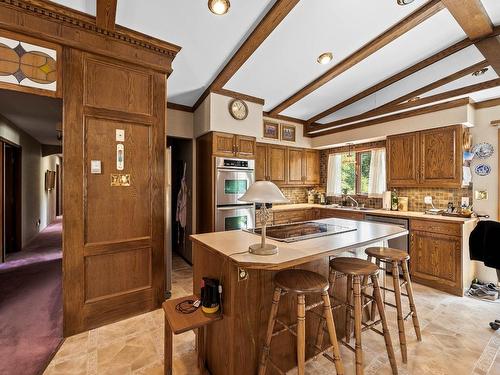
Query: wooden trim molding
pixel 271 20
pixel 427 100
pixel 471 16
pixel 62 25
pixel 180 107
pixel 414 19
pixel 106 14
pixel 487 103
pixel 239 95
pixel 357 147
pixel 284 118
pixel 396 116
pixel 395 78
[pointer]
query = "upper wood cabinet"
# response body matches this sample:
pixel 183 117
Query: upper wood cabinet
pixel 295 166
pixel 430 158
pixel 224 144
pixel 402 160
pixel 311 167
pixel 441 157
pixel 287 166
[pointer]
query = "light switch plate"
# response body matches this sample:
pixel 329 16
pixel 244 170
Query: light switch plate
pixel 95 167
pixel 120 135
pixel 480 195
pixel 428 199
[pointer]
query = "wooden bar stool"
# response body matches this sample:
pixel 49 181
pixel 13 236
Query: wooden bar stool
pixel 300 283
pixel 395 258
pixel 357 269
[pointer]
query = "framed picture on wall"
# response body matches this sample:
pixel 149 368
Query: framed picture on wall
pixel 271 130
pixel 288 133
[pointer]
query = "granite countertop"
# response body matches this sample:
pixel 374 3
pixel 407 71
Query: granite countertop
pixel 380 212
pixel 234 245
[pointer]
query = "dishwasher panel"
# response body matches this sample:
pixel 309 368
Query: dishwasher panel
pixel 401 243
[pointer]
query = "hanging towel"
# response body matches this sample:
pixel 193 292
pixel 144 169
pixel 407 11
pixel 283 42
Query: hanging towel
pixel 180 215
pixel 483 243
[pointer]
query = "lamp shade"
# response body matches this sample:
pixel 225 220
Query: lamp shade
pixel 263 192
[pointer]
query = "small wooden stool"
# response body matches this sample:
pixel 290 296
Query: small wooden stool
pixel 177 322
pixel 300 282
pixel 396 258
pixel 356 269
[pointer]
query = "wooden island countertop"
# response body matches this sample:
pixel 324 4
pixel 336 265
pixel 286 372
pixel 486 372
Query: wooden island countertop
pixel 234 244
pixel 233 344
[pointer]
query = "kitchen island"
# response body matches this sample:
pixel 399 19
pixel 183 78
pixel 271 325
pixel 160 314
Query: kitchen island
pixel 232 345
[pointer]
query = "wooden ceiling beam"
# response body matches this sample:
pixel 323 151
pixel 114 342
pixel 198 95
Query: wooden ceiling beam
pixel 106 14
pixel 471 16
pixel 490 48
pixel 395 78
pixel 397 116
pixel 414 19
pixel 271 20
pixel 397 104
pixel 427 100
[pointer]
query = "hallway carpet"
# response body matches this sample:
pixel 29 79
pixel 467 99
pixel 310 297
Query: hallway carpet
pixel 31 305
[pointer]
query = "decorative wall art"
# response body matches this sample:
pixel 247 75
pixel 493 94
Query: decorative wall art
pixel 271 130
pixel 483 150
pixel 25 64
pixel 288 133
pixel 482 169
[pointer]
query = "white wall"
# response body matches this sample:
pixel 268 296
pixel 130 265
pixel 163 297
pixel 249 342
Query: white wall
pixel 47 198
pixel 34 202
pixel 180 123
pixel 483 131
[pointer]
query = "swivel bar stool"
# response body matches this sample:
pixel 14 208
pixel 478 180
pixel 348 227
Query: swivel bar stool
pixel 299 282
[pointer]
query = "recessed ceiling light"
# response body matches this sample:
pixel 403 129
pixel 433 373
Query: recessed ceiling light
pixel 325 58
pixel 480 72
pixel 414 99
pixel 404 2
pixel 219 7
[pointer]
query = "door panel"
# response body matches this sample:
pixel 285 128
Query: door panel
pixel 295 166
pixel 311 167
pixel 277 164
pixel 113 235
pixel 261 162
pixel 245 146
pixel 403 160
pixel 223 144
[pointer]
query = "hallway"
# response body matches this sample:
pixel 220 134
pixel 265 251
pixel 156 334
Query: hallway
pixel 31 304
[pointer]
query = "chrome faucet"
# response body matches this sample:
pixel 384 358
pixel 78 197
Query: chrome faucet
pixel 354 200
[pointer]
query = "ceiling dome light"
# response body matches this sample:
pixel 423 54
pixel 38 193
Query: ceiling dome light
pixel 480 72
pixel 219 7
pixel 404 2
pixel 325 58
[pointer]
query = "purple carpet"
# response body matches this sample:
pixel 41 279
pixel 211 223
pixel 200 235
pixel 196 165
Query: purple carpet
pixel 31 305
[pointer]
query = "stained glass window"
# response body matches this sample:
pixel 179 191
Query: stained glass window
pixel 26 64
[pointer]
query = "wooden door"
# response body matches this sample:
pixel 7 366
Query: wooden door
pixel 223 144
pixel 295 166
pixel 441 157
pixel 113 247
pixel 12 210
pixel 261 162
pixel 402 165
pixel 311 167
pixel 277 164
pixel 436 261
pixel 245 146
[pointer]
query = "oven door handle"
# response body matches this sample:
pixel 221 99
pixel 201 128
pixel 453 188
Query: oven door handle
pixel 230 208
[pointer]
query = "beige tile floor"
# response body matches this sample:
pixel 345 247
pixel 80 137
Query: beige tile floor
pixel 456 341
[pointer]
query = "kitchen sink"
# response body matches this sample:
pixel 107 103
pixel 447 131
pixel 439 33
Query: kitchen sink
pixel 349 208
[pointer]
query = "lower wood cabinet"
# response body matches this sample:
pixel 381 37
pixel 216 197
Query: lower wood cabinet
pixel 326 213
pixel 436 257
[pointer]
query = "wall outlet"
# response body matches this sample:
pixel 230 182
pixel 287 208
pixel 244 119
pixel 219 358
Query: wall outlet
pixel 242 274
pixel 428 199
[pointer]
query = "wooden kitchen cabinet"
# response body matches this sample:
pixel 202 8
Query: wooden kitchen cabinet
pixel 291 216
pixel 225 144
pixel 327 213
pixel 261 161
pixel 311 167
pixel 270 163
pixel 441 157
pixel 429 158
pixel 295 166
pixel 402 152
pixel 436 257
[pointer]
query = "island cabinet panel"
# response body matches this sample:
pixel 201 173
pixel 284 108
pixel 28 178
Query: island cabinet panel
pixel 436 256
pixel 295 166
pixel 233 344
pixel 326 213
pixel 261 162
pixel 441 157
pixel 403 160
pixel 311 167
pixel 291 216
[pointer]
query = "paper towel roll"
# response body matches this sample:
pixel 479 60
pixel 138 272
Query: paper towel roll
pixel 386 200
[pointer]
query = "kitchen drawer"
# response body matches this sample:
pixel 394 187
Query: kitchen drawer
pixel 290 216
pixel 341 214
pixel 438 227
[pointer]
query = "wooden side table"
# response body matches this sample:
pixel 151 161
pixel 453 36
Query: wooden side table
pixel 177 322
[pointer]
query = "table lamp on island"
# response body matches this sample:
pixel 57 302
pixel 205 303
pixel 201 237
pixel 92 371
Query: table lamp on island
pixel 263 192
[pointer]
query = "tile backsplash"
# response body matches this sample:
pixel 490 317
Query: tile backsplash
pixel 440 197
pixel 295 194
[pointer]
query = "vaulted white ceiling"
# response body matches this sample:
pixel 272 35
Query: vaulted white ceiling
pixel 286 61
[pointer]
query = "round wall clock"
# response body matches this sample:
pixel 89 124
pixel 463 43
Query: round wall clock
pixel 238 109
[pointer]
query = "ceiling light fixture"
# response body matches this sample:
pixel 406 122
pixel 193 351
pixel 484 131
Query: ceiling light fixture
pixel 219 7
pixel 414 99
pixel 480 72
pixel 404 2
pixel 325 58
